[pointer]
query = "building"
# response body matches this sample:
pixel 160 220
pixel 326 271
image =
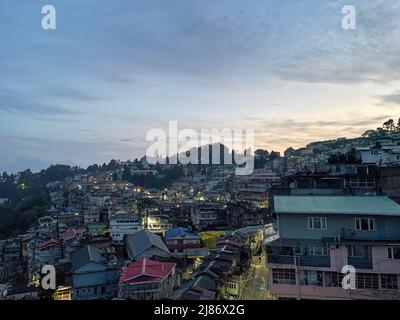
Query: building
pixel 316 236
pixel 91 215
pixel 122 224
pixel 93 277
pixel 179 240
pixel 146 245
pixel 379 154
pixel 156 222
pixel 147 280
pixel 63 293
pixel 10 250
pixel 244 213
pixel 97 229
pixel 72 241
pixel 43 253
pixel 208 215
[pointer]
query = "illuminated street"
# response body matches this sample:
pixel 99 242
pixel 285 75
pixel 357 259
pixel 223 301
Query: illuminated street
pixel 255 281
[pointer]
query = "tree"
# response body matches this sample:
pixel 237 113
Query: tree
pixel 274 155
pixel 368 134
pixel 389 125
pixel 126 175
pixel 261 157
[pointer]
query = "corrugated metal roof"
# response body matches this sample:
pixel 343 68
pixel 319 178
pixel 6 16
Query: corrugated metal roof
pixel 85 255
pixel 180 232
pixel 367 205
pixel 143 240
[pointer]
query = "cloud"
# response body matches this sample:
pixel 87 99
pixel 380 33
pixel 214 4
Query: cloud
pixel 76 95
pixel 279 134
pixel 27 108
pixel 389 99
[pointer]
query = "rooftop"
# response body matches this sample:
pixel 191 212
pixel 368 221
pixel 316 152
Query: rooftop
pixel 140 241
pixel 363 205
pixel 86 255
pixel 180 232
pixel 146 270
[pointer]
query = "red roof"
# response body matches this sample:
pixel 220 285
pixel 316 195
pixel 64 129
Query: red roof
pixel 49 243
pixel 146 270
pixel 71 234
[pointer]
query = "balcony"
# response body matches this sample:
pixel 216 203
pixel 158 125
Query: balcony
pixel 360 262
pixel 305 261
pixel 315 261
pixel 271 258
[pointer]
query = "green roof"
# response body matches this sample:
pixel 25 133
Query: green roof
pixel 86 255
pixel 365 205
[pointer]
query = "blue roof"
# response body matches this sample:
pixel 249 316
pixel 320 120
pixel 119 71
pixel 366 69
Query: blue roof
pixel 363 205
pixel 180 233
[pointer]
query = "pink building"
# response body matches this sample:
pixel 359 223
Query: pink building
pixel 147 280
pixel 318 236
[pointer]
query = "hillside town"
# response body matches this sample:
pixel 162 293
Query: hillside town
pixel 131 230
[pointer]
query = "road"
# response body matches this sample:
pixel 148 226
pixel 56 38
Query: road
pixel 255 281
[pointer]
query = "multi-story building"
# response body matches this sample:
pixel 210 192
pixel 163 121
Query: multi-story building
pixel 208 215
pixel 94 276
pixel 147 280
pixel 43 253
pixel 178 240
pixel 91 215
pixel 379 154
pixel 244 213
pixel 122 224
pixel 157 222
pixel 10 250
pixel 318 235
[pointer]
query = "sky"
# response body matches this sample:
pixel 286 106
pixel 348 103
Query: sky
pixel 89 91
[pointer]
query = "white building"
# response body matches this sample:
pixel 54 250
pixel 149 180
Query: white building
pixel 379 155
pixel 123 223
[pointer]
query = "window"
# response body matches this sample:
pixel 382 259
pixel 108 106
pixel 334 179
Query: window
pixel 389 281
pixel 311 278
pixel 355 251
pixel 285 251
pixel 367 281
pixel 314 250
pixel 362 183
pixel 365 224
pixel 318 223
pixel 283 276
pixel 394 253
pixel 103 289
pixel 231 285
pixel 333 279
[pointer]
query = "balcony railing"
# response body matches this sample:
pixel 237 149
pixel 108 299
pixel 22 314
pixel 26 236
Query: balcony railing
pixel 304 261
